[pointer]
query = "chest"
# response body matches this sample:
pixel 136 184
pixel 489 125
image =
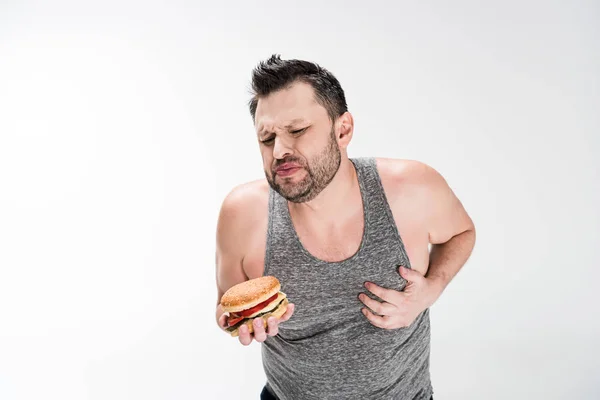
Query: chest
pixel 340 244
pixel 334 242
pixel 327 293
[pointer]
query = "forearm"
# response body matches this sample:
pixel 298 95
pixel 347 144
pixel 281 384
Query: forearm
pixel 446 259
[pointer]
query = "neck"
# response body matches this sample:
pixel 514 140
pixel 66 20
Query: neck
pixel 327 204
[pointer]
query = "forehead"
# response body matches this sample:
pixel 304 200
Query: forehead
pixel 287 106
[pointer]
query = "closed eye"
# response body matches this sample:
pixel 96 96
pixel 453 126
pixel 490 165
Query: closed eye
pixel 295 132
pixel 298 131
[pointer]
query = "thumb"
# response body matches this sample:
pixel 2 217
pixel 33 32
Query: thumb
pixel 409 274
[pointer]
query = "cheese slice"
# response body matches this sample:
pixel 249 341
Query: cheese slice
pixel 270 306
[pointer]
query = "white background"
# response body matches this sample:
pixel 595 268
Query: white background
pixel 124 124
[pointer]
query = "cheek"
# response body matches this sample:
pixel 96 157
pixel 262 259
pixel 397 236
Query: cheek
pixel 267 157
pixel 313 144
pixel 308 152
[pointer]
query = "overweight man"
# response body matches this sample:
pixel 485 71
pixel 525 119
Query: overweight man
pixel 363 247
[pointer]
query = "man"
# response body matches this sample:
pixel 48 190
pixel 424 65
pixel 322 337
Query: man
pixel 349 240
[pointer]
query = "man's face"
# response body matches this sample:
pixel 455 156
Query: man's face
pixel 298 143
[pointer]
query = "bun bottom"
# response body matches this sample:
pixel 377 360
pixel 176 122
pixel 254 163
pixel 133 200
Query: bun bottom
pixel 277 313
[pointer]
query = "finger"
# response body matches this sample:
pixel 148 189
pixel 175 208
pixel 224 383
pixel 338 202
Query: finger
pixel 272 326
pixel 389 295
pixel 288 312
pixel 223 321
pixel 380 322
pixel 245 337
pixel 259 330
pixel 410 274
pixel 378 307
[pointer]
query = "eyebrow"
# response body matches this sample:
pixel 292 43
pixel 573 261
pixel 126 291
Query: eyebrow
pixel 289 125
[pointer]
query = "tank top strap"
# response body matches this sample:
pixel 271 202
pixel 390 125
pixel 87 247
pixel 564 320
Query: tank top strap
pixel 379 218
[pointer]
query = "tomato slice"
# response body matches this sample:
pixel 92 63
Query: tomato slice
pixel 233 320
pixel 257 307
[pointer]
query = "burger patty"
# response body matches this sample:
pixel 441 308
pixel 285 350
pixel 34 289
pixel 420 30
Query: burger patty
pixel 234 327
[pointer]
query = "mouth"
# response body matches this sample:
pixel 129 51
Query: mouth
pixel 287 169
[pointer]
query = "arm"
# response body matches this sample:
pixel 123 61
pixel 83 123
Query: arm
pixel 229 248
pixel 451 230
pixel 236 228
pixel 451 233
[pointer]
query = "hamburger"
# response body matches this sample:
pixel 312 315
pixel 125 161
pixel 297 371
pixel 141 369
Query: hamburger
pixel 255 298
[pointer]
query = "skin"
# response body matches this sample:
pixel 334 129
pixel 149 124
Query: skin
pixel 291 125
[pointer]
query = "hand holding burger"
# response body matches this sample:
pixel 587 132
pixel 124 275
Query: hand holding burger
pixel 254 309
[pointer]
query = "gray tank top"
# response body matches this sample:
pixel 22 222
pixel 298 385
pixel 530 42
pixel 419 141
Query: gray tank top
pixel 329 349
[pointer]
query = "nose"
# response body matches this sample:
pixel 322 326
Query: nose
pixel 281 149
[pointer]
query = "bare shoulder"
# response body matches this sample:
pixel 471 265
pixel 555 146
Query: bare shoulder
pixel 417 191
pixel 246 197
pixel 409 177
pixel 243 215
pixel 244 206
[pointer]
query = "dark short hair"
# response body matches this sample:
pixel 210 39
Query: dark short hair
pixel 275 74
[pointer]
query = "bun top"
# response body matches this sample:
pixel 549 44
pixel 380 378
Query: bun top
pixel 250 293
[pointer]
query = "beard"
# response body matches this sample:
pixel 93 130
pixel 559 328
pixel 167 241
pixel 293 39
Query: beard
pixel 320 171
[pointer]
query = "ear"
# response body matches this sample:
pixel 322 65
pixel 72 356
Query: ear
pixel 345 129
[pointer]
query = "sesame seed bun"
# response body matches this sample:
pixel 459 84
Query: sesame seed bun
pixel 250 293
